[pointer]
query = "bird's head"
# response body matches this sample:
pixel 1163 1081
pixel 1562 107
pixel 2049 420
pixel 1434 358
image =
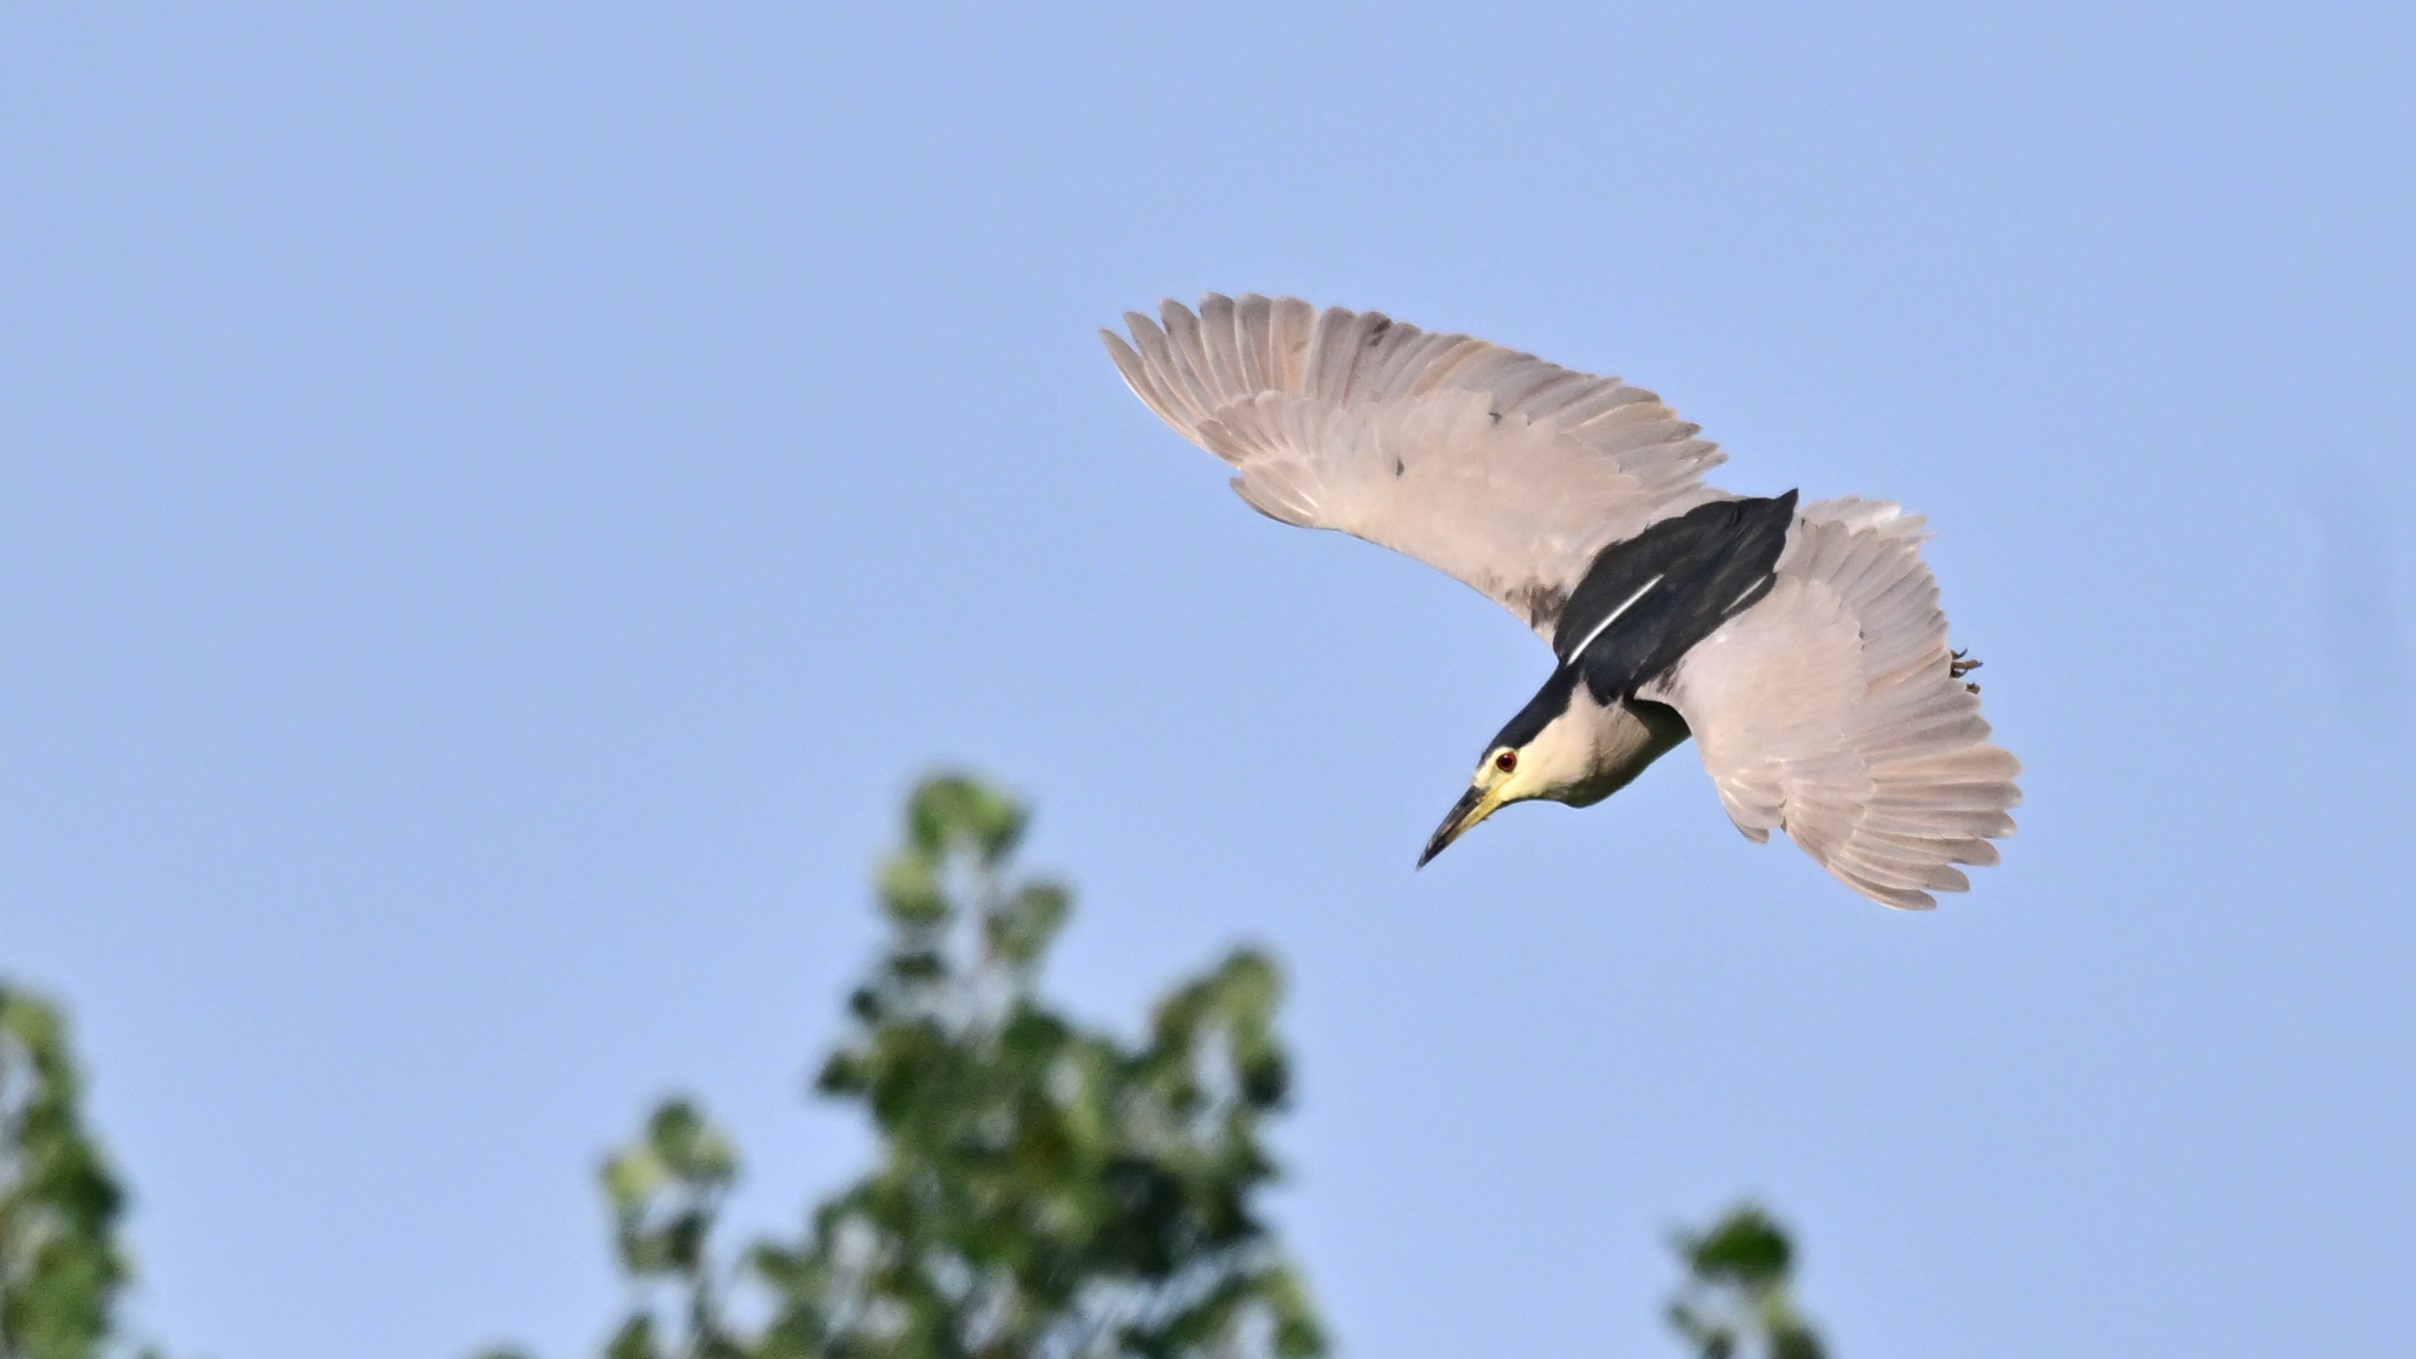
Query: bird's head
pixel 1547 751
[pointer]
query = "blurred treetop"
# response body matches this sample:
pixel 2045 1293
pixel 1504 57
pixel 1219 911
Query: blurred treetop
pixel 1738 1299
pixel 60 1266
pixel 1043 1191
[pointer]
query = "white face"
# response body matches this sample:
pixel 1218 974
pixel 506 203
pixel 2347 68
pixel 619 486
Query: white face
pixel 1559 764
pixel 1504 776
pixel 1499 770
pixel 1561 758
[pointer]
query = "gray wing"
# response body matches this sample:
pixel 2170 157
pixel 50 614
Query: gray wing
pixel 1827 710
pixel 1499 469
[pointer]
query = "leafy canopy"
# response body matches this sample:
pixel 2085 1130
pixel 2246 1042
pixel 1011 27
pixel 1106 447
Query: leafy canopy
pixel 60 1265
pixel 1042 1189
pixel 1738 1298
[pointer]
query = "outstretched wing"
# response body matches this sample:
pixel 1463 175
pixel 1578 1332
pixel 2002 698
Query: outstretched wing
pixel 1828 710
pixel 1500 469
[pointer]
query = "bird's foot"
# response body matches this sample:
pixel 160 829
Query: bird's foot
pixel 1961 663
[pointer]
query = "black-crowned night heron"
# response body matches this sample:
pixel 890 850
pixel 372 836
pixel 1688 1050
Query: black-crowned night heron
pixel 1803 649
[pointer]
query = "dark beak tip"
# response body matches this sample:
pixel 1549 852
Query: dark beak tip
pixel 1451 827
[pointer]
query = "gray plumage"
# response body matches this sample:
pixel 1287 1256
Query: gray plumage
pixel 1828 706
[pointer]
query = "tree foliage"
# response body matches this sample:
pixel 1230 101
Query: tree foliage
pixel 60 1264
pixel 1738 1299
pixel 1043 1190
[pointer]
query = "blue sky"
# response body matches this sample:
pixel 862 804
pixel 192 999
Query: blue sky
pixel 499 504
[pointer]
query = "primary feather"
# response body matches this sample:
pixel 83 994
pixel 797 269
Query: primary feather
pixel 1501 470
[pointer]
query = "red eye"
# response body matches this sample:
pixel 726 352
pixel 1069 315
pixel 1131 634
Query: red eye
pixel 1507 761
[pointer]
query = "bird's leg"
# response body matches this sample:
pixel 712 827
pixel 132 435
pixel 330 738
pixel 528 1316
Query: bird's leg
pixel 1961 663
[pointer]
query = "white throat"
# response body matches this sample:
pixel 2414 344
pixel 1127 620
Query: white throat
pixel 1593 750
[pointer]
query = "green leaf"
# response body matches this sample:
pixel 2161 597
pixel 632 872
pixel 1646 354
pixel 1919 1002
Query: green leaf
pixel 1746 1246
pixel 634 1340
pixel 631 1177
pixel 34 1024
pixel 689 1147
pixel 1736 1297
pixel 910 890
pixel 1028 925
pixel 951 809
pixel 843 1074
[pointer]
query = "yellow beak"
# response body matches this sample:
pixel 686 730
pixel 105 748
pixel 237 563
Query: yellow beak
pixel 1474 805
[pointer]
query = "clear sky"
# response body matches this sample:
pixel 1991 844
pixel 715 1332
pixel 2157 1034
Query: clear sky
pixel 496 504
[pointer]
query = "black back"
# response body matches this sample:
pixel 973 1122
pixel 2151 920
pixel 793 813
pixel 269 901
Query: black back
pixel 1706 566
pixel 1712 562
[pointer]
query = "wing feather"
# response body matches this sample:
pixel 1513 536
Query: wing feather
pixel 1494 466
pixel 1828 710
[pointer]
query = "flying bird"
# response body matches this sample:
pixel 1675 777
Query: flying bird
pixel 1801 646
